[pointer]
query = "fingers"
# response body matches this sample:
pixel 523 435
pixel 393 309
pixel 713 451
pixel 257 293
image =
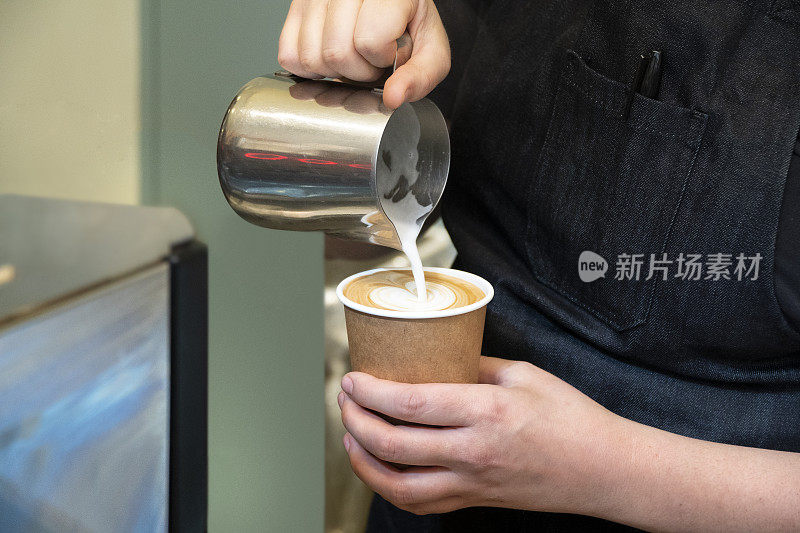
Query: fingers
pixel 380 23
pixel 356 40
pixel 398 444
pixel 318 39
pixel 309 41
pixel 437 404
pixel 288 55
pixel 338 47
pixel 428 65
pixel 409 489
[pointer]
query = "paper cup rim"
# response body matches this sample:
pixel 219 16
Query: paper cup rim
pixel 476 280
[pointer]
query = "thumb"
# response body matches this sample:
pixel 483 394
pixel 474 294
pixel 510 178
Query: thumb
pixel 428 65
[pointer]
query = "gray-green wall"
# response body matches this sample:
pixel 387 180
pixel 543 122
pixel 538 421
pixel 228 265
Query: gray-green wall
pixel 266 324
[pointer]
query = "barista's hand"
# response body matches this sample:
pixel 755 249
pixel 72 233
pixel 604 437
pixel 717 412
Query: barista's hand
pixel 527 440
pixel 356 39
pixel 523 438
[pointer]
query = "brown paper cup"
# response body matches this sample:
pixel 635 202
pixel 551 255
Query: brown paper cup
pixel 417 347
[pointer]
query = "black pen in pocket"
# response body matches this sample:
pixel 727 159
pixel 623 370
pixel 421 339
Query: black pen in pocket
pixel 647 81
pixel 651 82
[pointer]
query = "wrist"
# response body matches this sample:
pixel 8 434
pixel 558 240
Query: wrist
pixel 607 481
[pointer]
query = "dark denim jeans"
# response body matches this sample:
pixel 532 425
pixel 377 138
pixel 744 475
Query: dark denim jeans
pixel 546 164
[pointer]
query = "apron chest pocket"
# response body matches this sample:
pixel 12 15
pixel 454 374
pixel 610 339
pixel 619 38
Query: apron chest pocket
pixel 610 185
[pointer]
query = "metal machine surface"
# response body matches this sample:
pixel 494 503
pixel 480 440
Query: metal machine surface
pixel 102 368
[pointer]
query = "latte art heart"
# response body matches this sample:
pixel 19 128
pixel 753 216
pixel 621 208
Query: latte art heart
pixel 394 290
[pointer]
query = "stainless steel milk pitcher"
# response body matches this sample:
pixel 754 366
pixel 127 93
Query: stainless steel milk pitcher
pixel 326 155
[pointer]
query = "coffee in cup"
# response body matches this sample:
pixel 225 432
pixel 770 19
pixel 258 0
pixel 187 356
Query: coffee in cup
pixel 395 335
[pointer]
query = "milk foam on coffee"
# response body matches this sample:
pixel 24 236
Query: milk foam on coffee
pixel 397 166
pixel 391 290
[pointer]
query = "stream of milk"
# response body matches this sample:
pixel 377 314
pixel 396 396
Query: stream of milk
pixel 408 217
pixel 397 168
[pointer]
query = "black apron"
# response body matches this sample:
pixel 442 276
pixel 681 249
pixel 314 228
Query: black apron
pixel 552 158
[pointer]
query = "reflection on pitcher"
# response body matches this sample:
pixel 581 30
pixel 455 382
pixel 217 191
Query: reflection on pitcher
pixel 337 94
pixel 326 155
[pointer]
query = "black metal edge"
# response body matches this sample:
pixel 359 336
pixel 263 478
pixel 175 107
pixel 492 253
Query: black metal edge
pixel 188 421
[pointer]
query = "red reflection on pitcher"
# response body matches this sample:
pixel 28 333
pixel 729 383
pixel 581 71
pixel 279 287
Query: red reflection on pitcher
pixel 265 157
pixel 312 161
pixel 262 156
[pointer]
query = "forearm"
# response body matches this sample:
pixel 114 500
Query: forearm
pixel 657 480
